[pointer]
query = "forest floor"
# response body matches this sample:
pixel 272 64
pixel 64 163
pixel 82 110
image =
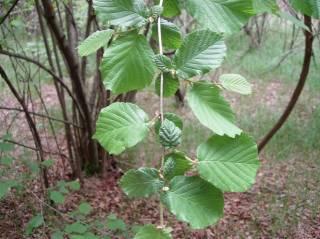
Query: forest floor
pixel 284 203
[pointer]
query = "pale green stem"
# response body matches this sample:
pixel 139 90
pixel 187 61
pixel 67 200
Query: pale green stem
pixel 161 103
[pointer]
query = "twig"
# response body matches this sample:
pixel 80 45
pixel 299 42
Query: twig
pixel 32 148
pixel 72 65
pixel 161 108
pixel 31 123
pixel 42 116
pixel 8 13
pixel 57 78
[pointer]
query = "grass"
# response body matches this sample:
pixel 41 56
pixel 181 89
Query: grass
pixel 256 65
pixel 292 155
pixel 259 63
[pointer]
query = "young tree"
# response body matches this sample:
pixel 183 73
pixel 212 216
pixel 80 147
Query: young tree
pixel 189 187
pixel 310 8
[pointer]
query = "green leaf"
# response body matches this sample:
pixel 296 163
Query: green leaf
pixel 156 11
pixel 171 34
pixel 90 235
pixel 61 186
pixel 87 235
pixel 74 185
pixel 128 64
pixel 47 163
pixel 85 208
pixel 200 52
pixel 269 6
pixel 308 7
pixel 163 63
pixel 121 126
pixel 294 20
pixel 225 16
pixel 34 223
pixel 6 147
pixel 170 8
pixel 142 182
pixel 175 164
pixel 6 160
pixel 236 83
pixel 5 187
pixel 115 224
pixel 151 232
pixel 194 200
pixel 229 164
pixel 33 167
pixel 170 85
pixel 169 134
pixel 136 228
pixel 124 13
pixel 57 235
pixel 76 227
pixel 94 42
pixel 211 109
pixel 173 118
pixel 77 237
pixel 57 197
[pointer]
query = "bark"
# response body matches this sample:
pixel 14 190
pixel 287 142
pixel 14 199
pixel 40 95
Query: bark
pixel 31 124
pixel 90 18
pixel 55 77
pixel 74 72
pixel 179 96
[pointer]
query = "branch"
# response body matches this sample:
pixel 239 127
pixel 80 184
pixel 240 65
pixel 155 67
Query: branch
pixel 8 13
pixel 90 18
pixel 30 121
pixel 33 148
pixel 41 115
pixel 299 88
pixel 43 67
pixel 73 69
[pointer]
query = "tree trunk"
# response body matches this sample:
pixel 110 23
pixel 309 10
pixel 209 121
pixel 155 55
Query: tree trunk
pixel 297 92
pixel 72 63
